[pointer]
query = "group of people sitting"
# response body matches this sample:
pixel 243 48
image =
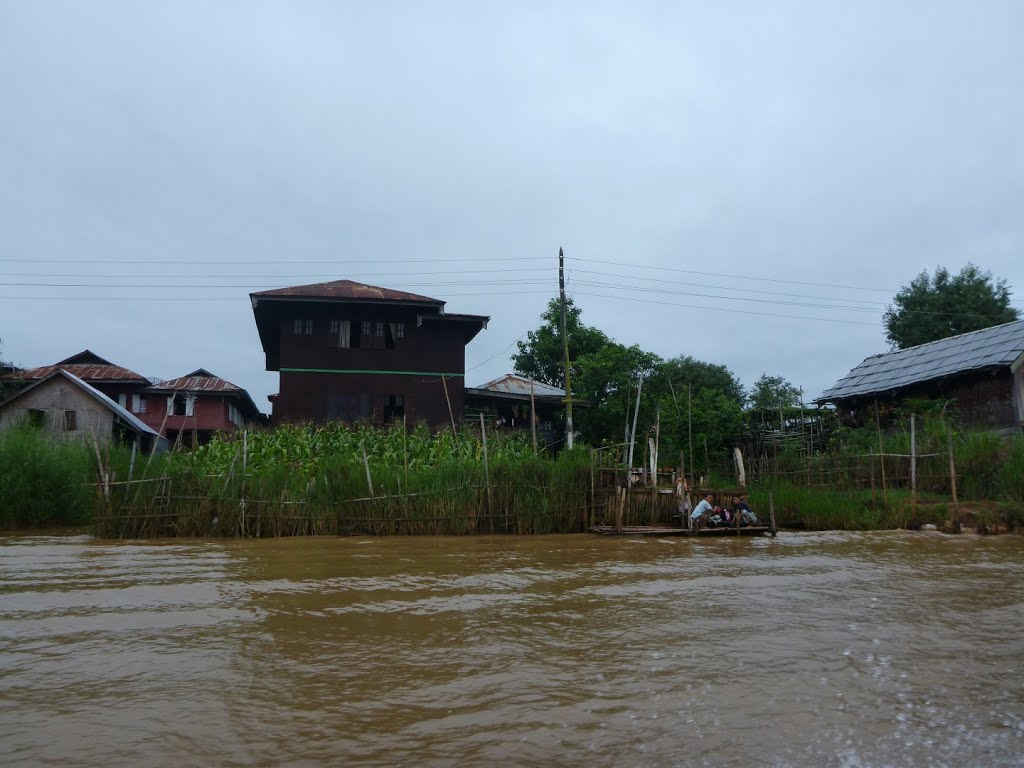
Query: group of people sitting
pixel 707 515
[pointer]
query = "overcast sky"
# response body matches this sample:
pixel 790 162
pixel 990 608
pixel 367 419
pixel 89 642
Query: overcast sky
pixel 451 148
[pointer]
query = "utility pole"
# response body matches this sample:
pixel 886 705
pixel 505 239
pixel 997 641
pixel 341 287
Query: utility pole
pixel 565 349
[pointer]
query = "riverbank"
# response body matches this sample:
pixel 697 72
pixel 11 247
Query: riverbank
pixel 330 480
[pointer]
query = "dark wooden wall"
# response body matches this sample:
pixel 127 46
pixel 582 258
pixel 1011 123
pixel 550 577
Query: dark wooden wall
pixel 425 352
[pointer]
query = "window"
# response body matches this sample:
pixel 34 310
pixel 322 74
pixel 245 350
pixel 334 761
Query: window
pixel 122 400
pixel 70 421
pixel 36 417
pixel 365 327
pixel 379 328
pixel 302 327
pixel 340 334
pixel 393 332
pixel 394 407
pixel 138 404
pixel 181 405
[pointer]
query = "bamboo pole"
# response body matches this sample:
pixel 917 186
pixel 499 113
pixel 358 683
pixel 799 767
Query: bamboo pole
pixel 913 464
pixel 533 418
pixel 657 442
pixel 881 455
pixel 632 437
pixel 689 426
pixel 487 472
pixel 241 501
pixel 707 459
pixel 451 413
pixel 131 462
pixel 771 513
pixel 952 480
pixel 366 465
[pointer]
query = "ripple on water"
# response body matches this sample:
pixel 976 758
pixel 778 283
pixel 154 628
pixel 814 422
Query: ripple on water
pixel 811 649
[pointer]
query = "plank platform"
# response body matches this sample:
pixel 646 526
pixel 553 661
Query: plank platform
pixel 661 530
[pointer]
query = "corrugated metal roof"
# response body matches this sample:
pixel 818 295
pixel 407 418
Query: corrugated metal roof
pixel 345 289
pixel 1000 345
pixel 203 381
pixel 197 381
pixel 123 413
pixel 519 385
pixel 86 372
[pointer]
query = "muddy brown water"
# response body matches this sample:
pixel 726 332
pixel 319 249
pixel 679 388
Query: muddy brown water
pixel 884 649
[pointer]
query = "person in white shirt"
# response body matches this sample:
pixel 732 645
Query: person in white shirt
pixel 705 506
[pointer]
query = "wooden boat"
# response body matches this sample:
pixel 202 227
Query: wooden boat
pixel 661 530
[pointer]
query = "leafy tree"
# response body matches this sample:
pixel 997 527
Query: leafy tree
pixel 773 392
pixel 684 370
pixel 541 357
pixel 939 306
pixel 606 373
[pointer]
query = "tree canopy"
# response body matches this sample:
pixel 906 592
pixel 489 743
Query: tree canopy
pixel 937 306
pixel 772 392
pixel 607 373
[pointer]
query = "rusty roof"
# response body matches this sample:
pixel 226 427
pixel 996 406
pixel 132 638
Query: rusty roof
pixel 86 365
pixel 197 381
pixel 88 373
pixel 347 290
pixel 201 380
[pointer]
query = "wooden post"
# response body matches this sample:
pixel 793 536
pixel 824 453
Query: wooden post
pixel 881 457
pixel 741 472
pixel 565 349
pixel 366 466
pixel 593 491
pixel 405 452
pixel 245 473
pixel 533 418
pixel 657 442
pixel 405 459
pixel 689 426
pixel 620 498
pixel 913 463
pixel 451 413
pixel 771 513
pixel 952 480
pixel 707 459
pixel 874 497
pixel 632 438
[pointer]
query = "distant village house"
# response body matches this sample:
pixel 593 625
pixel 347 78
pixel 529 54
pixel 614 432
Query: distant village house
pixel 65 406
pixel 186 410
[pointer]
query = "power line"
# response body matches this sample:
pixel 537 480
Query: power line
pixel 735 277
pixel 236 297
pixel 242 262
pixel 281 277
pixel 705 307
pixel 250 286
pixel 729 288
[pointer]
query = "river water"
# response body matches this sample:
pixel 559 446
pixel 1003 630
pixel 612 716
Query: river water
pixel 818 649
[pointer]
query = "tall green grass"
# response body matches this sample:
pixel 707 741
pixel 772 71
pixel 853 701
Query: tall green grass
pixel 44 482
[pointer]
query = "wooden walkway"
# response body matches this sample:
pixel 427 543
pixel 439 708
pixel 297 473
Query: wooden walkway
pixel 660 530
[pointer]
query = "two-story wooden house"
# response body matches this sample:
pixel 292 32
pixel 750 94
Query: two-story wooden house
pixel 191 408
pixel 352 352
